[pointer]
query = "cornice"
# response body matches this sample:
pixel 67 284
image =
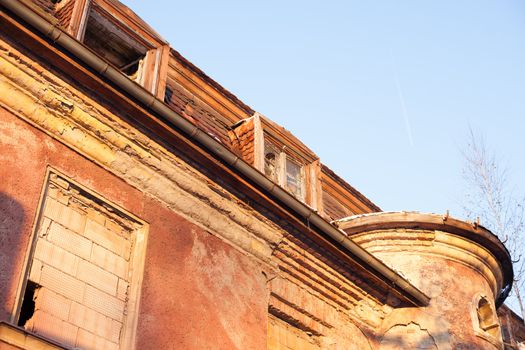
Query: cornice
pixel 453 239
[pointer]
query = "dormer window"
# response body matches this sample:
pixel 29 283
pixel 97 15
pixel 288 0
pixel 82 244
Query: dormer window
pixel 120 37
pixel 279 155
pixel 115 45
pixel 283 169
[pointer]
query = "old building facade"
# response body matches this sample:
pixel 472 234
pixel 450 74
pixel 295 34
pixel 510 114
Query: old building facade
pixel 143 206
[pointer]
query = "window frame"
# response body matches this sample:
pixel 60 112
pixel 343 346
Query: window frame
pixel 282 158
pixel 155 64
pixel 288 146
pixel 137 265
pixel 479 329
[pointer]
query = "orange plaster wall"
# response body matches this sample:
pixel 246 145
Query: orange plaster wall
pixel 197 290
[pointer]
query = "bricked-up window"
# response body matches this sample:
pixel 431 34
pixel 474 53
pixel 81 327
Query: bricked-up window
pixel 85 270
pixel 280 167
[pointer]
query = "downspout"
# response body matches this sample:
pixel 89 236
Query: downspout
pixel 92 60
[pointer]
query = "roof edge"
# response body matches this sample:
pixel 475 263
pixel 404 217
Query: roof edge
pixel 430 221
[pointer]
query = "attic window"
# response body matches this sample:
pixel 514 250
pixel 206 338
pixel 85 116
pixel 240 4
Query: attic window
pixel 280 167
pixel 115 44
pixel 294 178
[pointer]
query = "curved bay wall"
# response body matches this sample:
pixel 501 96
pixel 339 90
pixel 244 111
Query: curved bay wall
pixel 462 267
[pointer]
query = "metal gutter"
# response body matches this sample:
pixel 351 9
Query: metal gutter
pixel 103 68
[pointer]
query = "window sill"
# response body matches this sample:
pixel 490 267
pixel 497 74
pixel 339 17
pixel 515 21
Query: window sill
pixel 491 339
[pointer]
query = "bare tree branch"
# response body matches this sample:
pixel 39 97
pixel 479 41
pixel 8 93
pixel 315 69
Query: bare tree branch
pixel 490 197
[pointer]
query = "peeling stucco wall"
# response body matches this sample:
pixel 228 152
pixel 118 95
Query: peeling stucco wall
pixel 451 271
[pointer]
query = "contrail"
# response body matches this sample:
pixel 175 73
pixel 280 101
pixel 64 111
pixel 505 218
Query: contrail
pixel 403 106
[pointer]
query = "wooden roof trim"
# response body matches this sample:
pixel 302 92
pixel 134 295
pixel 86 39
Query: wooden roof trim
pixel 201 79
pixel 228 112
pixel 128 16
pixel 284 136
pixel 343 197
pixel 368 205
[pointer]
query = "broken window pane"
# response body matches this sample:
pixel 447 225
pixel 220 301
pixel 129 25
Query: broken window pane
pixel 294 181
pixel 271 162
pixel 111 42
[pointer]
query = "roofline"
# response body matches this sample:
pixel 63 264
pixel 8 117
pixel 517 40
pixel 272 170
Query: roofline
pixel 222 90
pixel 326 170
pixel 425 221
pixel 402 287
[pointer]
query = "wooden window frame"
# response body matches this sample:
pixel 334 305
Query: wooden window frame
pixel 281 169
pixel 155 67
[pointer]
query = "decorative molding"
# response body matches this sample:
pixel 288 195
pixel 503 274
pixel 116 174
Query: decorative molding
pixel 318 295
pixel 468 243
pixel 434 243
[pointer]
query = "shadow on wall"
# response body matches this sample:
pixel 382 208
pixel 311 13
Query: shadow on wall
pixel 12 216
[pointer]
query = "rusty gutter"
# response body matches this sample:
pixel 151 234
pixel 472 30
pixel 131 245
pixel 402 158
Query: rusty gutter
pixel 88 57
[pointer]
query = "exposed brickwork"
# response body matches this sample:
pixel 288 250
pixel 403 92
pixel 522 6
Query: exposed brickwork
pixel 109 261
pixel 70 241
pixel 242 139
pixel 512 328
pixel 87 340
pixel 318 296
pixel 64 13
pixel 45 324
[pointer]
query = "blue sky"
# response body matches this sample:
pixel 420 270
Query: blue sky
pixel 383 91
